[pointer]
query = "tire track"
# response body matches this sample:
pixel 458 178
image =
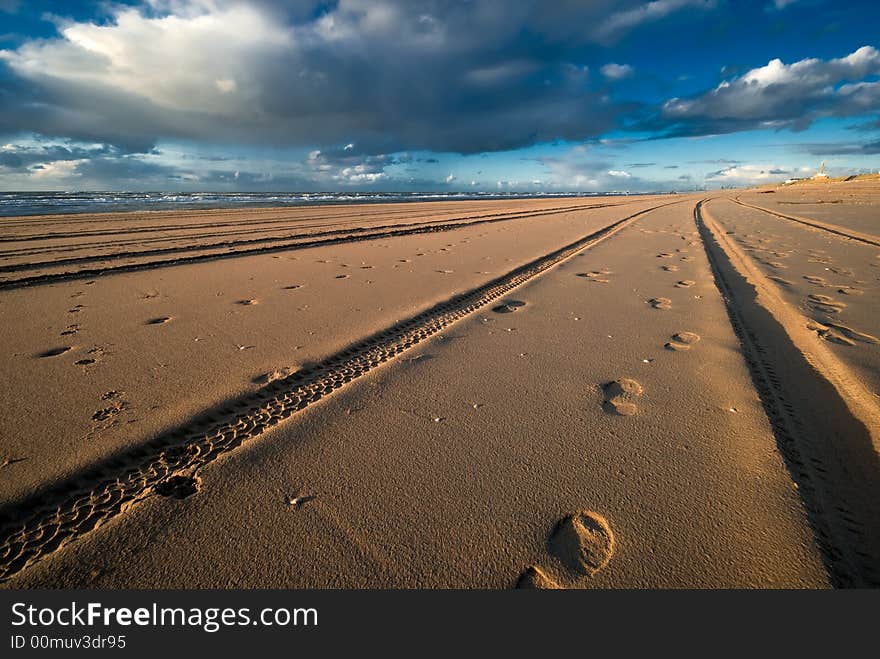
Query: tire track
pixel 254 220
pixel 298 242
pixel 816 224
pixel 168 465
pixel 240 232
pixel 827 448
pixel 304 221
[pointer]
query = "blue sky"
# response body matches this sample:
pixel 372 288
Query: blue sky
pixel 432 95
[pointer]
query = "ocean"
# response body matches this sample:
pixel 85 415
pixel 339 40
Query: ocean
pixel 47 203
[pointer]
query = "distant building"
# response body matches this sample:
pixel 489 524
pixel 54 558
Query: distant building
pixel 821 174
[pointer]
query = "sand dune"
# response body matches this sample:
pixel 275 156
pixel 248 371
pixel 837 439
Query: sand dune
pixel 642 392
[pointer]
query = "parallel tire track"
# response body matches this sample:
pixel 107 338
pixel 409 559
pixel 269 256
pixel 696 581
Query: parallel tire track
pixel 254 220
pixel 167 465
pixel 231 243
pixel 816 224
pixel 297 242
pixel 838 501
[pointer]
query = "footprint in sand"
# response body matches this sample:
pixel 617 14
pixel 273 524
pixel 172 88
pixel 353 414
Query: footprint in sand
pixel 534 578
pixel 293 287
pixel 70 330
pixel 685 283
pixel 115 408
pixel 246 303
pixel 682 341
pixel 780 280
pixel 53 352
pixel 581 544
pixel 105 414
pixel 509 306
pixel 841 334
pixel 619 396
pixel 814 279
pixel 598 276
pixel 664 255
pixel 160 320
pixel 846 290
pixel 342 276
pixel 825 303
pixel 670 268
pixel 663 303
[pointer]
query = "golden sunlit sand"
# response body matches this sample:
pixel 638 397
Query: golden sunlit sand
pixel 631 391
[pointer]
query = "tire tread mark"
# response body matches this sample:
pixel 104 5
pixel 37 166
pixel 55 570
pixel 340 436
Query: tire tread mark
pixel 334 237
pixel 837 533
pixel 816 224
pixel 57 516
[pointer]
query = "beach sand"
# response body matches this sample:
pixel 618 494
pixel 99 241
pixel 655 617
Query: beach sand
pixel 667 391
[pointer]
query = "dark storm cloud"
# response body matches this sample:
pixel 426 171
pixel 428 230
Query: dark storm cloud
pixel 21 157
pixel 867 126
pixel 126 169
pixel 349 165
pixel 388 74
pixel 57 110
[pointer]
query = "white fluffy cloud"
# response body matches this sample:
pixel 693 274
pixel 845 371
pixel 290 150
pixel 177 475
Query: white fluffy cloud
pixel 188 62
pixel 625 20
pixel 783 95
pixel 738 175
pixel 614 71
pixel 582 168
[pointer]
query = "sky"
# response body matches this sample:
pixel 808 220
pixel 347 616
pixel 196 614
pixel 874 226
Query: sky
pixel 432 95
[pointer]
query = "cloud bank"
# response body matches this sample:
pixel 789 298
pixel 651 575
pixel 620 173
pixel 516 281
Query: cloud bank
pixel 396 74
pixel 779 95
pixel 339 94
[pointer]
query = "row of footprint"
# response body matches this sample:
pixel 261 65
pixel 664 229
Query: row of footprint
pixel 582 543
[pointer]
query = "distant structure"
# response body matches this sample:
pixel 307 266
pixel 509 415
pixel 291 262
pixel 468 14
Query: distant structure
pixel 821 173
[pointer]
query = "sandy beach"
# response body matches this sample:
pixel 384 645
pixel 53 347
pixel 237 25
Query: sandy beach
pixel 668 391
